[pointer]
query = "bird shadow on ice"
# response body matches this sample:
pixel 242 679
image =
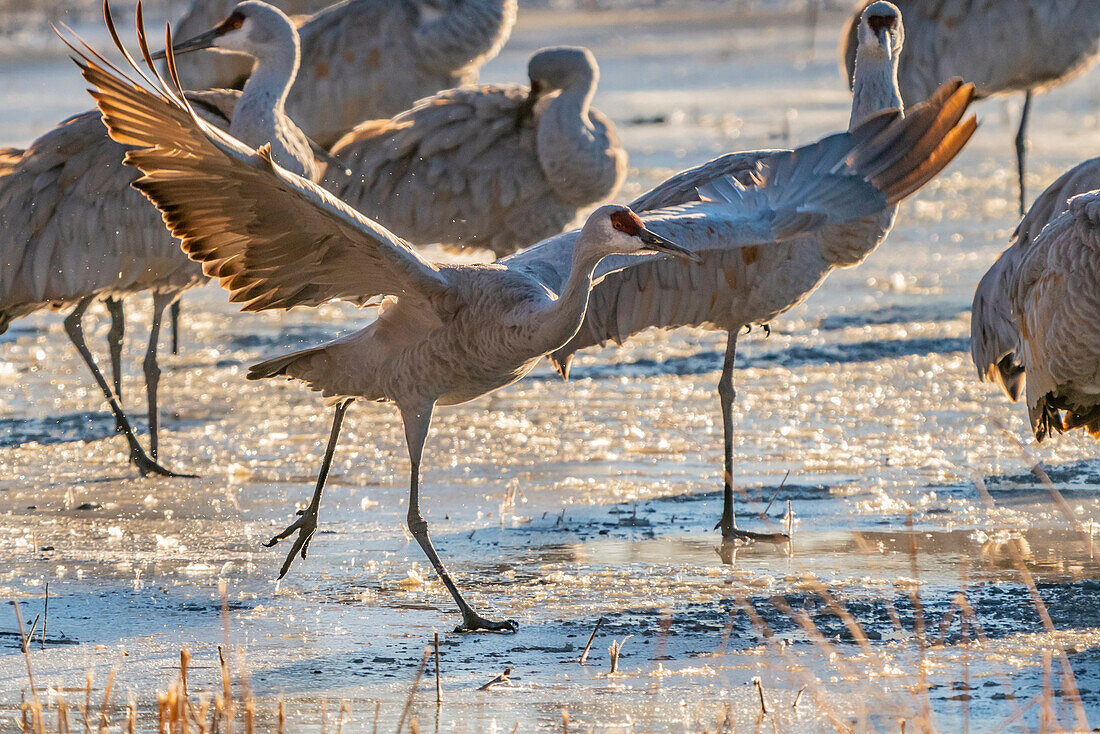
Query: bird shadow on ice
pixel 19 331
pixel 894 314
pixel 680 635
pixel 1077 476
pixel 795 356
pixel 59 429
pixel 288 338
pixel 90 426
pixel 83 614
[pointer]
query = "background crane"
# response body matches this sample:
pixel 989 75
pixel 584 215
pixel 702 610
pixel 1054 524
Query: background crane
pixel 488 166
pixel 1001 46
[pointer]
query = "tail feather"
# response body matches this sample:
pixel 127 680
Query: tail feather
pixel 562 362
pixel 908 154
pixel 1009 374
pixel 944 153
pixel 832 180
pixel 934 123
pixel 287 365
pixel 921 120
pixel 10 159
pixel 885 143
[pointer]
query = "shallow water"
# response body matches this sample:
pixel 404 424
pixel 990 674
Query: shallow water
pixel 558 504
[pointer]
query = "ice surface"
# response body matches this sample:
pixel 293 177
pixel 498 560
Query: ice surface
pixel 866 394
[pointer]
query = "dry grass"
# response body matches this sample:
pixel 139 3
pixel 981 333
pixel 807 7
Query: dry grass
pixel 177 712
pixel 829 701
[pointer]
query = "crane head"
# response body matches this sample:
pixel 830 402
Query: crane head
pixel 554 69
pixel 616 230
pixel 252 28
pixel 881 30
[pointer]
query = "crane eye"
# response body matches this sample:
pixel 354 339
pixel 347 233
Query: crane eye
pixel 232 23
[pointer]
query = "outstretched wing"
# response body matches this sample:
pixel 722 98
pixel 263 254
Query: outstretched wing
pixel 807 192
pixel 682 188
pixel 273 239
pixel 726 214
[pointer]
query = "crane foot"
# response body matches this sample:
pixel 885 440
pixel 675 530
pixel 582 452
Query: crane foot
pixel 475 622
pixel 305 526
pixel 147 466
pixel 736 534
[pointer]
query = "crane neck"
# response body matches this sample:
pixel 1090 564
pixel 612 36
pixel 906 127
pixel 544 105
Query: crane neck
pixel 575 101
pixel 563 319
pixel 579 156
pixel 261 108
pixel 875 84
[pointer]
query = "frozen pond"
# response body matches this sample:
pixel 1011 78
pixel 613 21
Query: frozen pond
pixel 558 504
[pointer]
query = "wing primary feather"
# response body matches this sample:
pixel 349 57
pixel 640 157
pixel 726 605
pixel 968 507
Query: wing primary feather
pixel 108 18
pixel 83 60
pixel 170 57
pixel 952 143
pixel 943 120
pixel 143 44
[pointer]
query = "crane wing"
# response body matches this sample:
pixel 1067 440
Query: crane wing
pixel 799 194
pixel 994 328
pixel 455 156
pixel 726 214
pixel 273 239
pixel 791 193
pixel 1055 299
pixel 65 202
pixel 682 188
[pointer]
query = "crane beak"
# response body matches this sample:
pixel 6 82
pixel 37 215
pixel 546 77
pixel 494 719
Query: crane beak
pixel 657 243
pixel 887 42
pixel 523 114
pixel 199 42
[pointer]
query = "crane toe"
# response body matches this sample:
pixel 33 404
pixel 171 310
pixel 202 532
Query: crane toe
pixel 147 466
pixel 476 623
pixel 305 526
pixel 729 534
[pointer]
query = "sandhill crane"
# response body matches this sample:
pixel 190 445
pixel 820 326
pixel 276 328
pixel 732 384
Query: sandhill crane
pixel 212 69
pixel 1001 46
pixel 209 69
pixel 488 166
pixel 734 289
pixel 375 57
pixel 371 59
pixel 368 59
pixel 73 230
pixel 447 334
pixel 997 341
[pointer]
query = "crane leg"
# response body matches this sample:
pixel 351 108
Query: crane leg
pixel 727 393
pixel 1021 150
pixel 813 10
pixel 306 524
pixel 174 316
pixel 152 369
pixel 75 329
pixel 416 432
pixel 114 341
